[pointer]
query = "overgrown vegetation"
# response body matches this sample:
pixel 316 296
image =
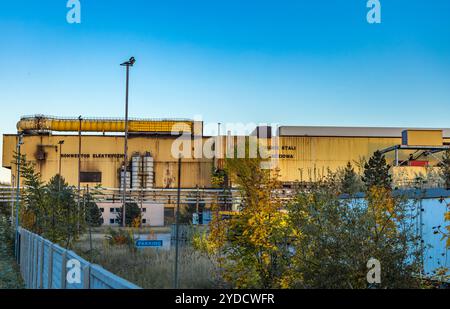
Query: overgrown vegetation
pixel 154 268
pixel 49 209
pixel 335 239
pixel 317 240
pixel 10 277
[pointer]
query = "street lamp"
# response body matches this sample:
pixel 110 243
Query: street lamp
pixel 126 64
pixel 60 151
pixel 19 143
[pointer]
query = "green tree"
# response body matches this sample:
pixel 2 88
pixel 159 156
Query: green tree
pixel 350 181
pixel 132 212
pixel 48 209
pixel 93 214
pixel 376 172
pixel 33 207
pixel 62 215
pixel 444 168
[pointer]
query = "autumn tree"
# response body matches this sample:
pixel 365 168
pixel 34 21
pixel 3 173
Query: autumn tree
pixel 376 172
pixel 252 246
pixel 335 238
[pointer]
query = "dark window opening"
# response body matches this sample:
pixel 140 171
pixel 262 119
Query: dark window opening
pixel 90 177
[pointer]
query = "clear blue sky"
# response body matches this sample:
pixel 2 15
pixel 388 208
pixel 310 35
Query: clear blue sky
pixel 289 62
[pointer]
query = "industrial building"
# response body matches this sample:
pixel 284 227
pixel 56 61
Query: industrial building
pixel 95 148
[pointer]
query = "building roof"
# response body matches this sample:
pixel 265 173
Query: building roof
pixel 349 131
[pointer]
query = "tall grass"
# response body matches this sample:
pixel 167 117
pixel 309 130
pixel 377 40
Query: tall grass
pixel 10 277
pixel 153 268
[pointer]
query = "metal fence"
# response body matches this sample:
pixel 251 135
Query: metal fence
pixel 45 265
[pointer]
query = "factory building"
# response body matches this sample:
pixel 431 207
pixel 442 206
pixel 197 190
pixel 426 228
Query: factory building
pixel 307 153
pixel 95 147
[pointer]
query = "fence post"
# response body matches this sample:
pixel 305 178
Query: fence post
pixel 41 265
pixel 87 277
pixel 63 269
pixel 50 267
pixel 30 252
pixel 36 261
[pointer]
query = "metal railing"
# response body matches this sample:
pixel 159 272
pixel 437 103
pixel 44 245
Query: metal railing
pixel 158 196
pixel 45 265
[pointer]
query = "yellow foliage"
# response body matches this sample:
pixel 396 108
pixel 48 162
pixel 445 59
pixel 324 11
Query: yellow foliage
pixel 447 216
pixel 136 222
pixel 383 207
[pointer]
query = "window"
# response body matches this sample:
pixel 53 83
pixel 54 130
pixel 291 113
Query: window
pixel 111 210
pixel 102 209
pixel 90 177
pixel 144 209
pixel 111 221
pixel 144 221
pixel 118 210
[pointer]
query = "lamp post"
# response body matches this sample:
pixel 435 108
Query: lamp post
pixel 60 151
pixel 177 219
pixel 126 64
pixel 19 143
pixel 79 172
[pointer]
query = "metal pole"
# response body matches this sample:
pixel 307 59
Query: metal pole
pixel 177 215
pixel 125 159
pixel 396 156
pixel 13 181
pixel 79 173
pixel 60 152
pixel 19 143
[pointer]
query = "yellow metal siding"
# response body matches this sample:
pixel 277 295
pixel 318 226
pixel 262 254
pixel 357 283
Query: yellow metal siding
pixel 313 156
pixel 423 137
pixel 304 157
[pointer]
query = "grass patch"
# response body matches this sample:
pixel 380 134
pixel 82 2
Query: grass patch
pixel 10 277
pixel 152 268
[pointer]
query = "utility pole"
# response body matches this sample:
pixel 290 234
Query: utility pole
pixel 126 64
pixel 79 172
pixel 60 152
pixel 177 216
pixel 19 143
